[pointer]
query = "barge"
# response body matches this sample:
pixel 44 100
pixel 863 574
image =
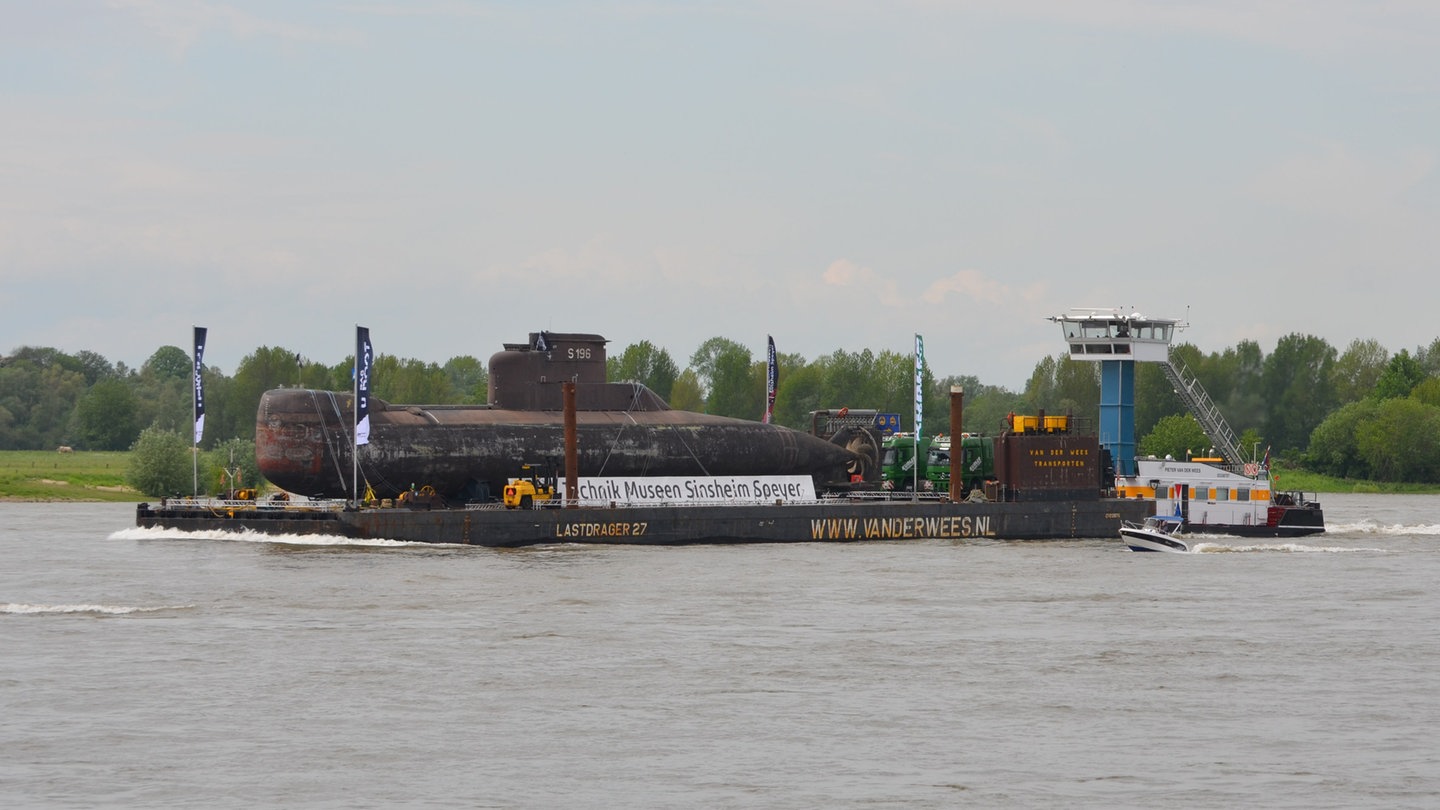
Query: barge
pixel 636 471
pixel 825 520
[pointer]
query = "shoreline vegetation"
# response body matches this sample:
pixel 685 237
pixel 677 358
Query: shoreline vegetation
pixel 79 476
pixel 47 475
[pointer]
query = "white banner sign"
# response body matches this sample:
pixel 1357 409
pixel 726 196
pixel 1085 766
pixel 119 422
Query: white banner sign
pixel 699 489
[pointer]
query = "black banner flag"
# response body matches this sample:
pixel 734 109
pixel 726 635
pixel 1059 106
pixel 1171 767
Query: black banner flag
pixel 199 383
pixel 364 363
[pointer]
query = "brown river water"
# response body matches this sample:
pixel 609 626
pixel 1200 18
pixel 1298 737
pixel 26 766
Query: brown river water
pixel 144 668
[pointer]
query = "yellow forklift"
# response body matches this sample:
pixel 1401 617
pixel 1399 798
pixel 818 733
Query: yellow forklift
pixel 536 483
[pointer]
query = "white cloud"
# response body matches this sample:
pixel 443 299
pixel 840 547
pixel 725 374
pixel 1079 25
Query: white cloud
pixel 967 284
pixel 592 260
pixel 970 286
pixel 843 273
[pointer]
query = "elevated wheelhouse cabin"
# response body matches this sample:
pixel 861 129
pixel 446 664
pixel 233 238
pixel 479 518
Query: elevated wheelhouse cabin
pixel 1095 334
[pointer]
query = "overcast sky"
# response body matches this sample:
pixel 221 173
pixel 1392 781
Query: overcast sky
pixel 838 174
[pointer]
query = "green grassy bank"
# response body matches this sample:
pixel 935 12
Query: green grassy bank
pixel 1313 482
pixel 45 475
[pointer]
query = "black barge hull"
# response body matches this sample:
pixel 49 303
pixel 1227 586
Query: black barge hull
pixel 844 521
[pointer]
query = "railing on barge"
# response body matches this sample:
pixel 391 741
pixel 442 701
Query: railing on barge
pixel 327 508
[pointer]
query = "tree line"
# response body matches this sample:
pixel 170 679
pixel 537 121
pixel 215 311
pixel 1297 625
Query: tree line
pixel 1361 413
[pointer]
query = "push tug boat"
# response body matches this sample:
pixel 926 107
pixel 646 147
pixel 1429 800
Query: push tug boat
pixel 1213 495
pixel 1218 498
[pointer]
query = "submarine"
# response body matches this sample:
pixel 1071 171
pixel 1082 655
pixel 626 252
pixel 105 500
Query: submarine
pixel 305 443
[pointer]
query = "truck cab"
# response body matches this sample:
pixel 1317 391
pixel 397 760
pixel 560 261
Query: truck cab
pixel 976 462
pixel 898 462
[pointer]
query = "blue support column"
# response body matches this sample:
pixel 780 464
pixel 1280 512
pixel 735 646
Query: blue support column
pixel 1117 413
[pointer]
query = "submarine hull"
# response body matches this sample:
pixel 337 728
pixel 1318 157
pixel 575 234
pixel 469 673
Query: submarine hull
pixel 303 444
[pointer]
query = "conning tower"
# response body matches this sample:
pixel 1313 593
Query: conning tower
pixel 527 376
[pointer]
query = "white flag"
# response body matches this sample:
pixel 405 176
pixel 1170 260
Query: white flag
pixel 919 384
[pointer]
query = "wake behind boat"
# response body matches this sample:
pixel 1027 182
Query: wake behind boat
pixel 1156 533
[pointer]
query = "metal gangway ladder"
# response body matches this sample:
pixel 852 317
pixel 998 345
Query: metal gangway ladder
pixel 1202 408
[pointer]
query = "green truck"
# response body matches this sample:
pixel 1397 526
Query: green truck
pixel 898 463
pixel 977 463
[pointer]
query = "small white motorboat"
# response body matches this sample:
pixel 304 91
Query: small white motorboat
pixel 1157 533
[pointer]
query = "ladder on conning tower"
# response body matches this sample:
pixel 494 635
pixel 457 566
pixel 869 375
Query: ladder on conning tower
pixel 1202 408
